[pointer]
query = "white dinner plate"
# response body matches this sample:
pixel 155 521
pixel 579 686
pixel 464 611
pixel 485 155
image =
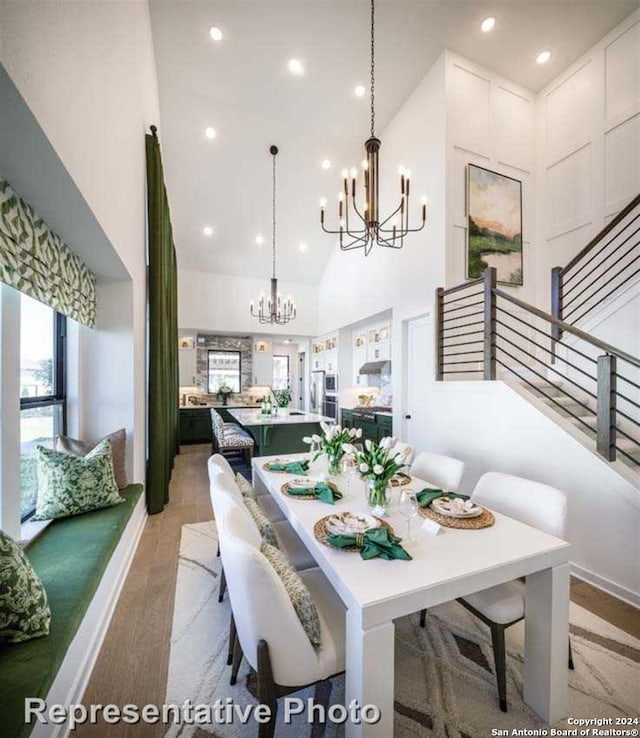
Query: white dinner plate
pixel 450 508
pixel 348 523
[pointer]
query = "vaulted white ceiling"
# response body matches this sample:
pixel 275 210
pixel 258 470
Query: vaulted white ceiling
pixel 242 87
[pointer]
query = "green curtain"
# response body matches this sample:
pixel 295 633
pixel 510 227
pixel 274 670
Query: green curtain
pixel 163 334
pixel 36 261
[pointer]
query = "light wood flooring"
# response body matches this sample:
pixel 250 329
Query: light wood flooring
pixel 132 665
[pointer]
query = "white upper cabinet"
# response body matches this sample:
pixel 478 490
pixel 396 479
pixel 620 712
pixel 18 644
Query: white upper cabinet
pixel 379 342
pixel 324 354
pixel 187 366
pixel 262 363
pixel 359 344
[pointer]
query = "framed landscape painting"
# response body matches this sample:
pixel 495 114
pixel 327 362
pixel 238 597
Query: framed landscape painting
pixel 494 233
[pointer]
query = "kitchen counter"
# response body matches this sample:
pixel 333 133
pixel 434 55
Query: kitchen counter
pixel 216 405
pixel 281 433
pixel 253 417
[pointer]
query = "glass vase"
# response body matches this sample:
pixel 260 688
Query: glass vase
pixel 335 465
pixel 378 496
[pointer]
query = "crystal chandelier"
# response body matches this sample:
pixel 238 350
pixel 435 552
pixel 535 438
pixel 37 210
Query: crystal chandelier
pixel 368 228
pixel 275 309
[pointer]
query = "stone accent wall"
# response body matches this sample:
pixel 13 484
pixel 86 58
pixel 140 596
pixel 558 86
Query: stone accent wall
pixel 224 343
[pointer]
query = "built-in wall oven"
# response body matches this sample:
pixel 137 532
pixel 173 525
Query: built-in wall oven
pixel 330 407
pixel 331 383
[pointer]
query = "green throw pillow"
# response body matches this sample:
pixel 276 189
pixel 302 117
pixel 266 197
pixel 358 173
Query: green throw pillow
pixel 262 521
pixel 70 485
pixel 24 609
pixel 297 591
pixel 244 486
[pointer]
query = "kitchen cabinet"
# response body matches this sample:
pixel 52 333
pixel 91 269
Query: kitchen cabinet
pixel 379 342
pixel 317 362
pixel 262 364
pixel 359 354
pixel 346 418
pixel 369 428
pixel 187 366
pixel 195 425
pixel 331 361
pixel 385 426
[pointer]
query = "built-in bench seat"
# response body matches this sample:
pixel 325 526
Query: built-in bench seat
pixel 70 557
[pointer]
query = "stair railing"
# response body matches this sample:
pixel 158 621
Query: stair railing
pixel 593 275
pixel 523 339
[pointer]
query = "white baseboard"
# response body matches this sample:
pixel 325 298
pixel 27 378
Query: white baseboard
pixel 616 590
pixel 72 678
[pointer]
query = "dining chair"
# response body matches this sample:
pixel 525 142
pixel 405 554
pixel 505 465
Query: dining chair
pixel 499 607
pixel 442 471
pixel 225 495
pixel 270 635
pixel 220 465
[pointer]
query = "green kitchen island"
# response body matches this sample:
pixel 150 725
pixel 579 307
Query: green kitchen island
pixel 281 433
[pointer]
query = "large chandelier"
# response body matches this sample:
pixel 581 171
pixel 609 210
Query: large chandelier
pixel 369 229
pixel 275 309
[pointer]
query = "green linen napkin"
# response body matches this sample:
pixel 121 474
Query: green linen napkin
pixel 427 496
pixel 321 491
pixel 374 543
pixel 292 467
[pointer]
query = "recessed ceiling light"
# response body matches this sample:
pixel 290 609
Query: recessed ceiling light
pixel 259 239
pixel 210 132
pixel 215 33
pixel 302 246
pixel 296 67
pixel 207 231
pixel 488 24
pixel 543 57
pixel 326 164
pixel 359 90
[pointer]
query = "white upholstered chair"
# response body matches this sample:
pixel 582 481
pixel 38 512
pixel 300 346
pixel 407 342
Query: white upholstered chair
pixel 537 505
pixel 442 471
pixel 270 634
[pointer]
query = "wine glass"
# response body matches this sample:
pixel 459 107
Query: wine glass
pixel 314 450
pixel 349 469
pixel 408 508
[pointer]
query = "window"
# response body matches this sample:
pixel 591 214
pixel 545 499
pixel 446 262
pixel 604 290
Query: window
pixel 42 390
pixel 223 370
pixel 280 372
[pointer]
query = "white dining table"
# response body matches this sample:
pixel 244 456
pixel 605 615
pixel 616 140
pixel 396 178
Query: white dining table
pixel 450 564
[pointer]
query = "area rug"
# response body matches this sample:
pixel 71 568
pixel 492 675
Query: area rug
pixel 445 685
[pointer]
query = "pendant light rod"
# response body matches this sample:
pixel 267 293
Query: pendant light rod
pixel 370 229
pixel 276 310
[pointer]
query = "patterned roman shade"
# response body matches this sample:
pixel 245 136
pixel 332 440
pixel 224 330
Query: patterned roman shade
pixel 36 261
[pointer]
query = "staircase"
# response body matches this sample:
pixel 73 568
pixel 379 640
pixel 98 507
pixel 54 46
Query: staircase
pixel 588 386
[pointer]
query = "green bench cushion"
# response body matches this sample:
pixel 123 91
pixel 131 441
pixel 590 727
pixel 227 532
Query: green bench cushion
pixel 70 557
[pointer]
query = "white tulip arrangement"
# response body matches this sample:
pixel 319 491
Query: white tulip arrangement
pixel 333 442
pixel 377 461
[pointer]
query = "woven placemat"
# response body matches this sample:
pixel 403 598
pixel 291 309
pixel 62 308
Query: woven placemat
pixel 285 491
pixel 400 479
pixel 485 520
pixel 321 534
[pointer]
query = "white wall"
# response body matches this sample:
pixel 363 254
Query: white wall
pixel 491 123
pixel 87 72
pixel 217 302
pixel 493 428
pixel 588 143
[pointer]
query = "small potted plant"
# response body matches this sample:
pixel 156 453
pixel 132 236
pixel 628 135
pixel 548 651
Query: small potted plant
pixel 333 443
pixel 283 398
pixel 224 392
pixel 377 463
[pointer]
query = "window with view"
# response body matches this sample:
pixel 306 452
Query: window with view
pixel 223 370
pixel 42 390
pixel 280 372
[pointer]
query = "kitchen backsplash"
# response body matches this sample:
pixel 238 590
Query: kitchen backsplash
pixel 223 343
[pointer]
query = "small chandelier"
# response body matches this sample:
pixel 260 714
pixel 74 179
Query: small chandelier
pixel 275 310
pixel 369 229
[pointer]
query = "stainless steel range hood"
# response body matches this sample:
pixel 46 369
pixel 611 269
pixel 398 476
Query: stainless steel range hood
pixel 373 368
